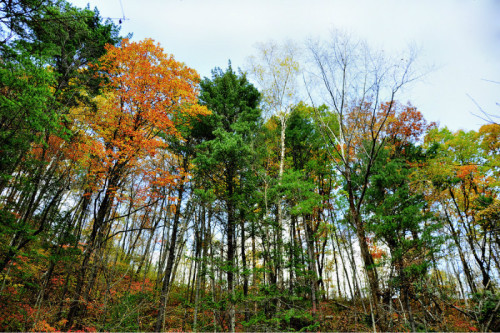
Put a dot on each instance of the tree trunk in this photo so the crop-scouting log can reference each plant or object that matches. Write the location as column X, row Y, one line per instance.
column 244, row 264
column 230, row 243
column 95, row 241
column 279, row 244
column 367, row 258
column 171, row 256
column 311, row 263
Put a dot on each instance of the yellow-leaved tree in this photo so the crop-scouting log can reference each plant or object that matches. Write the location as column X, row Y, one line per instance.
column 147, row 95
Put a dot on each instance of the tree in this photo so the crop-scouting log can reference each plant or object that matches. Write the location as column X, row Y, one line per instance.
column 224, row 155
column 59, row 42
column 308, row 188
column 41, row 75
column 396, row 215
column 185, row 150
column 72, row 38
column 461, row 188
column 275, row 68
column 15, row 15
column 147, row 93
column 354, row 82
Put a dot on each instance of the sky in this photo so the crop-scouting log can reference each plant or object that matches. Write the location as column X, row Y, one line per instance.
column 458, row 40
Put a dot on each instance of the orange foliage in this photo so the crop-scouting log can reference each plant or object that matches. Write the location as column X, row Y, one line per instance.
column 404, row 124
column 53, row 147
column 466, row 171
column 147, row 96
column 376, row 252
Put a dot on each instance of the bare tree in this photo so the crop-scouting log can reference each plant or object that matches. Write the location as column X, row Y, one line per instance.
column 490, row 118
column 275, row 68
column 354, row 82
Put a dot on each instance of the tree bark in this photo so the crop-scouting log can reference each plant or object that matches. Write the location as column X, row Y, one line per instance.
column 171, row 256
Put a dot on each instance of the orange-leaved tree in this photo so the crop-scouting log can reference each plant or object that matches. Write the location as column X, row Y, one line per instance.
column 146, row 95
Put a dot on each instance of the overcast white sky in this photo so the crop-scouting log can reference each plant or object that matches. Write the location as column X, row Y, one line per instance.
column 459, row 38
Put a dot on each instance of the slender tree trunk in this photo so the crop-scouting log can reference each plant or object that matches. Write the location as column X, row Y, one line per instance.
column 148, row 246
column 201, row 271
column 311, row 263
column 171, row 256
column 95, row 241
column 336, row 271
column 279, row 244
column 343, row 264
column 165, row 245
column 254, row 264
column 230, row 243
column 405, row 293
column 244, row 264
column 354, row 269
column 292, row 252
column 367, row 258
column 465, row 265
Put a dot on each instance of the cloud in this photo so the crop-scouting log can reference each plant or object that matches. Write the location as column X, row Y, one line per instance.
column 459, row 37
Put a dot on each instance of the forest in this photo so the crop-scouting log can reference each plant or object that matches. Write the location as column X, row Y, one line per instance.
column 297, row 193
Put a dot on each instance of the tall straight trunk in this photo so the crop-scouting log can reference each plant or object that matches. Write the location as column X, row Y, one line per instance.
column 230, row 242
column 279, row 244
column 461, row 294
column 339, row 293
column 336, row 243
column 302, row 257
column 320, row 260
column 350, row 256
column 367, row 258
column 212, row 265
column 197, row 252
column 292, row 252
column 254, row 264
column 205, row 246
column 191, row 279
column 200, row 255
column 465, row 264
column 95, row 241
column 165, row 245
column 171, row 255
column 244, row 264
column 311, row 262
column 125, row 234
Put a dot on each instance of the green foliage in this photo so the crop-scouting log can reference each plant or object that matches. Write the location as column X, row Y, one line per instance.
column 302, row 136
column 25, row 112
column 70, row 39
column 131, row 312
column 290, row 318
column 487, row 308
column 233, row 101
column 397, row 216
column 226, row 133
column 300, row 192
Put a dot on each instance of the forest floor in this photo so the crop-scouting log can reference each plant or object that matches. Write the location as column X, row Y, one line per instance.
column 132, row 306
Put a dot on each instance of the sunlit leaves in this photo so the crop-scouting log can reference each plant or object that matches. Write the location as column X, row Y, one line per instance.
column 275, row 69
column 147, row 92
